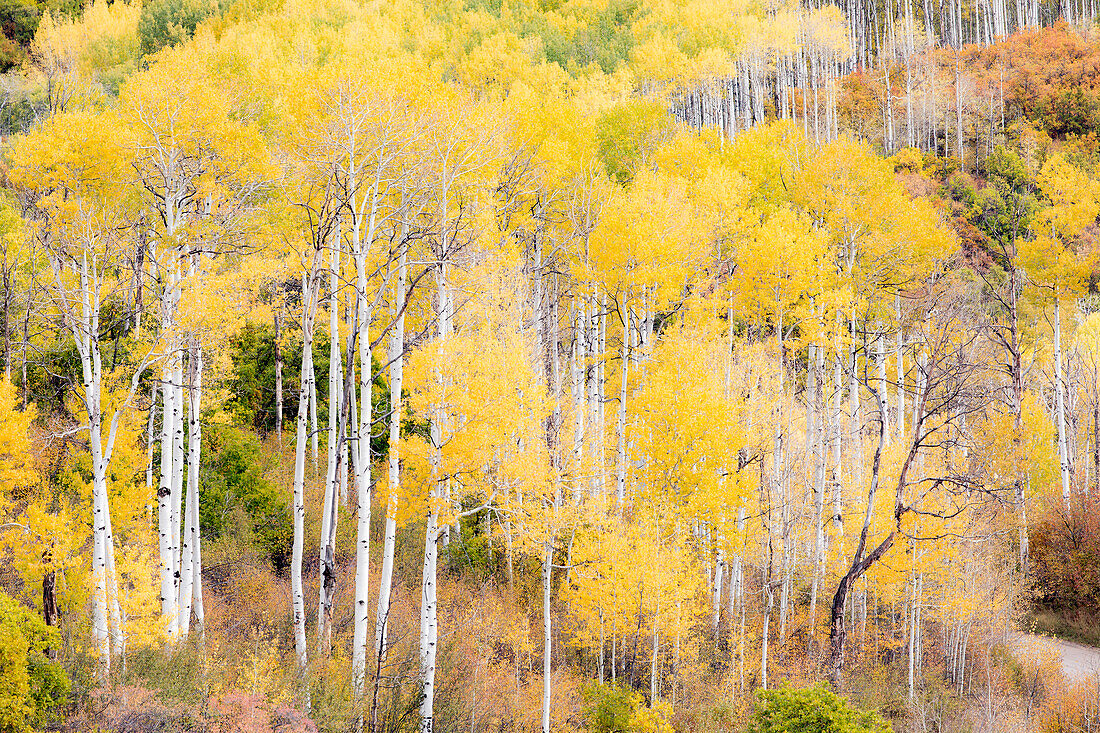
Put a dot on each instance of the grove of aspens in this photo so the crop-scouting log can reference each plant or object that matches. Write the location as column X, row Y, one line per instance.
column 607, row 366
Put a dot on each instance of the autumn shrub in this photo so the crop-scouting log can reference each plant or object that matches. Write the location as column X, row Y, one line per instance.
column 710, row 715
column 936, row 706
column 134, row 709
column 1033, row 674
column 810, row 710
column 1073, row 708
column 1065, row 566
column 877, row 685
column 137, row 709
column 616, row 709
column 32, row 686
column 173, row 673
column 240, row 712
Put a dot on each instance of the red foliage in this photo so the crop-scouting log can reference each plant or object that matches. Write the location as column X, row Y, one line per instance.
column 1065, row 556
column 1050, row 76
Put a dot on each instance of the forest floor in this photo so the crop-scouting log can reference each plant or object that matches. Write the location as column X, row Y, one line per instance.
column 1079, row 661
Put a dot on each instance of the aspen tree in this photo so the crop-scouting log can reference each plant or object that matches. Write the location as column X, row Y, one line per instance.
column 950, row 390
column 199, row 170
column 362, row 134
column 485, row 351
column 1052, row 263
column 326, row 577
column 73, row 199
column 311, row 286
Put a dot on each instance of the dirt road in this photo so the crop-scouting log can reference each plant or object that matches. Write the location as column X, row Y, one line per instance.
column 1078, row 661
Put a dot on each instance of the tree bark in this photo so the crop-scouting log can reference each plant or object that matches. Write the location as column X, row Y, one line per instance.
column 310, row 287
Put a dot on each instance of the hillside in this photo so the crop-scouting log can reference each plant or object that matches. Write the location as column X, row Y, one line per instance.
column 607, row 365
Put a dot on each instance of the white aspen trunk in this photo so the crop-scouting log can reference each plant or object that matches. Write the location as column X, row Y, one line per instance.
column 107, row 627
column 838, row 503
column 363, row 475
column 785, row 591
column 164, row 507
column 614, row 642
column 100, row 513
column 577, row 371
column 310, row 287
column 196, row 488
column 428, row 628
column 958, row 112
column 314, row 430
column 187, row 557
column 326, row 561
column 396, row 360
column 818, row 439
column 647, row 335
column 620, row 461
column 764, row 634
column 547, row 566
column 591, row 374
column 118, row 637
column 716, row 587
column 741, row 639
column 149, row 438
column 912, row 634
column 438, row 493
column 601, row 390
column 603, row 645
column 179, row 465
column 920, row 628
column 187, row 560
column 278, row 349
column 779, row 472
column 349, row 456
column 1060, row 402
column 883, row 400
column 653, row 662
column 900, row 360
column 197, row 608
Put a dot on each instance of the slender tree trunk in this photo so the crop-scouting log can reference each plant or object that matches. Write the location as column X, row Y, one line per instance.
column 362, row 450
column 428, row 629
column 653, row 663
column 1060, row 403
column 547, row 567
column 620, row 462
column 100, row 510
column 1095, row 438
column 314, row 431
column 396, row 360
column 278, row 308
column 326, row 556
column 310, row 287
column 191, row 530
column 164, row 506
column 958, row 113
column 7, row 317
column 438, row 493
column 765, row 632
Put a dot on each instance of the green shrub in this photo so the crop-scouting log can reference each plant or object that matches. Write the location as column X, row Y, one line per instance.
column 234, row 487
column 31, row 686
column 810, row 710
